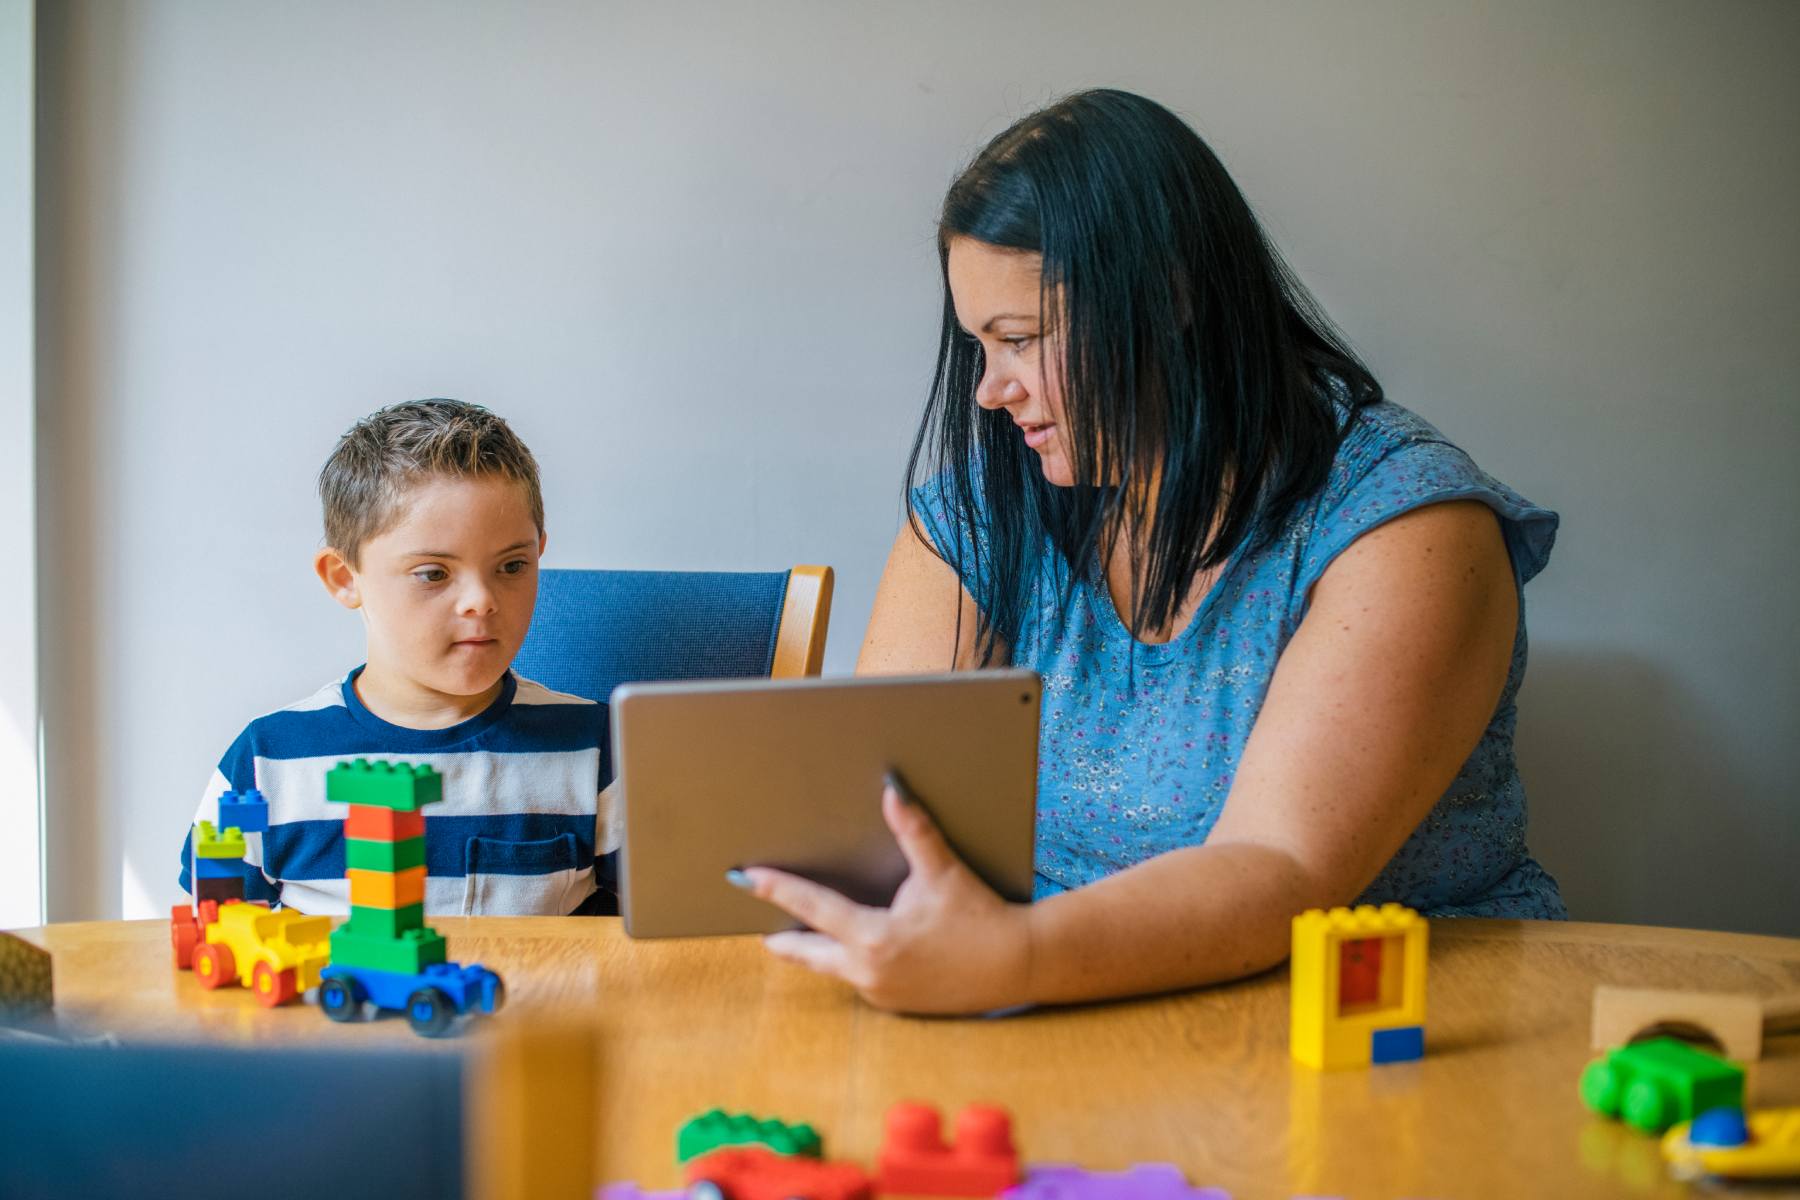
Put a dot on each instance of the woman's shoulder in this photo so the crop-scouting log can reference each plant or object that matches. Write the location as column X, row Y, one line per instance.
column 1390, row 461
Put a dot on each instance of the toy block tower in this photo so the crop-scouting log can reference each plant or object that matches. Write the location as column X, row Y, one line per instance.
column 218, row 867
column 384, row 857
column 1358, row 986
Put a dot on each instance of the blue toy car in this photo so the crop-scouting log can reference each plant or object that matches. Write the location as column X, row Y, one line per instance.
column 432, row 999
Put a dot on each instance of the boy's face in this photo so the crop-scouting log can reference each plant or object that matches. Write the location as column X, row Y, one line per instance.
column 447, row 592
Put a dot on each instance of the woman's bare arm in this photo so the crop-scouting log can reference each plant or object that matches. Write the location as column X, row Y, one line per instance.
column 919, row 605
column 1376, row 703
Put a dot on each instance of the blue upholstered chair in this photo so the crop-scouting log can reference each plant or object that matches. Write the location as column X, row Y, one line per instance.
column 594, row 630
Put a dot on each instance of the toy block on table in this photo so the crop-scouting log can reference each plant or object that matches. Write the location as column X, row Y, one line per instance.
column 1655, row 1084
column 26, row 983
column 387, row 922
column 1357, row 986
column 408, row 954
column 370, row 855
column 386, row 889
column 716, row 1128
column 219, row 868
column 372, row 824
column 759, row 1173
column 915, row 1159
column 247, row 811
column 1733, row 1021
column 1146, row 1181
column 631, row 1191
column 215, row 843
column 400, row 786
column 230, row 887
column 1727, row 1143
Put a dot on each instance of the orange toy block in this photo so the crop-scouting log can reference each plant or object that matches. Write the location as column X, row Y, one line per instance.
column 373, row 823
column 914, row 1159
column 386, row 889
column 759, row 1173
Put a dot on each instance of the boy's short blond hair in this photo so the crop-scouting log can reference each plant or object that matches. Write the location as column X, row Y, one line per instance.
column 363, row 484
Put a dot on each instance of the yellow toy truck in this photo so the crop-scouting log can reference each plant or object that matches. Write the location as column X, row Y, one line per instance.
column 276, row 954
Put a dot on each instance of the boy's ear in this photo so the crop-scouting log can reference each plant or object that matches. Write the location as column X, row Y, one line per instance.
column 338, row 577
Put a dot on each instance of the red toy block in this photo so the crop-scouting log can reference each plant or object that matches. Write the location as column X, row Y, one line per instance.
column 759, row 1173
column 184, row 935
column 375, row 824
column 1359, row 973
column 914, row 1159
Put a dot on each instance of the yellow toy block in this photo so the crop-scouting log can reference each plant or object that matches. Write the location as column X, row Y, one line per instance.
column 1357, row 986
column 216, row 843
column 386, row 889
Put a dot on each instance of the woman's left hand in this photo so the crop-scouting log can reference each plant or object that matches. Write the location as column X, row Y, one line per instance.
column 947, row 944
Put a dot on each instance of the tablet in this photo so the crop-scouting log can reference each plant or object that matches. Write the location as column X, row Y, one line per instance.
column 788, row 773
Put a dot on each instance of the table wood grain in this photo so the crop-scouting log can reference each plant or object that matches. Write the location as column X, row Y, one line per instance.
column 1201, row 1079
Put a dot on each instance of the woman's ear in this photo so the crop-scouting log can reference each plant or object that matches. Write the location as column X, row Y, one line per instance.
column 338, row 576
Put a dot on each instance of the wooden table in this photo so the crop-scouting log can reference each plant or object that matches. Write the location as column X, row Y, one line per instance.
column 1202, row 1079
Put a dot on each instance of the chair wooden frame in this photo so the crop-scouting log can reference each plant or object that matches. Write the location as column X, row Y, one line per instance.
column 805, row 619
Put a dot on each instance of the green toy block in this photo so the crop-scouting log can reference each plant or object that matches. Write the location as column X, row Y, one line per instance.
column 400, row 786
column 1661, row 1082
column 384, row 856
column 385, row 922
column 214, row 843
column 711, row 1130
column 408, row 954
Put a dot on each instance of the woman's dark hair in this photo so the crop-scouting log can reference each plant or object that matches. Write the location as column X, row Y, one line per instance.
column 1189, row 349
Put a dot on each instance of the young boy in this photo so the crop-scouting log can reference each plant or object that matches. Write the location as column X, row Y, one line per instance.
column 434, row 522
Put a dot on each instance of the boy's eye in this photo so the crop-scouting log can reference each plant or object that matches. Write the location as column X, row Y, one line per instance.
column 431, row 574
column 515, row 566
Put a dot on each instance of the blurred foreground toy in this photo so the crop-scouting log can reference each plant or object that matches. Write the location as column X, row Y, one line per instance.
column 915, row 1159
column 715, row 1129
column 1357, row 986
column 1655, row 1084
column 759, row 1173
column 1146, row 1181
column 1735, row 1021
column 1722, row 1142
column 25, row 980
column 385, row 954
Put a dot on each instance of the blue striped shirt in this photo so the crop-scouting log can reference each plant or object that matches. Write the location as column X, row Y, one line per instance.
column 519, row 830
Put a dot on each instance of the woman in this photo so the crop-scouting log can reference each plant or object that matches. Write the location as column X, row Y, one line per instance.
column 1279, row 620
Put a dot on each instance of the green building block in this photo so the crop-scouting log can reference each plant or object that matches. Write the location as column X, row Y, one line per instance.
column 384, row 856
column 711, row 1130
column 408, row 954
column 385, row 922
column 400, row 786
column 214, row 843
column 1661, row 1082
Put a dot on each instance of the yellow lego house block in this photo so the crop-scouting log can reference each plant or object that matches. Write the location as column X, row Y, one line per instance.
column 1355, row 973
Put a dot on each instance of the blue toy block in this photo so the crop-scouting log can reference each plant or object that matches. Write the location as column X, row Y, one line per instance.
column 247, row 811
column 1403, row 1044
column 218, row 868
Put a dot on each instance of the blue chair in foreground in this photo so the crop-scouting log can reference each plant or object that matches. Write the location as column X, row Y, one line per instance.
column 594, row 630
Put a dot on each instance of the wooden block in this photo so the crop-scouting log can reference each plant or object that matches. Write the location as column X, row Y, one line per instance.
column 25, row 980
column 530, row 1100
column 1734, row 1021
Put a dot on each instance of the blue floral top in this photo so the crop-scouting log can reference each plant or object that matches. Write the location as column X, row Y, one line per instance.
column 1139, row 743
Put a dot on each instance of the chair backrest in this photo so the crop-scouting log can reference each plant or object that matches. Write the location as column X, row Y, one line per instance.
column 594, row 630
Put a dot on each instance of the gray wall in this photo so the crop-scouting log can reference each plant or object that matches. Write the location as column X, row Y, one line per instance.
column 688, row 250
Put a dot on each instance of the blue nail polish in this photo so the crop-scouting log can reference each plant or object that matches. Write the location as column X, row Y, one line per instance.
column 738, row 879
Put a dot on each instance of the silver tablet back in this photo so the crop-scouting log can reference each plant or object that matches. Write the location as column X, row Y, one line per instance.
column 788, row 773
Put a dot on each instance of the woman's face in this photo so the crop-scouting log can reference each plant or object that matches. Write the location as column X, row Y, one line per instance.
column 996, row 294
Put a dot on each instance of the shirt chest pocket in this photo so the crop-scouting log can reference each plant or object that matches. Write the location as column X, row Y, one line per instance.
column 512, row 879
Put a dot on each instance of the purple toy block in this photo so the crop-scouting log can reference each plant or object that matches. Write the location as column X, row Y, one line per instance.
column 1145, row 1181
column 631, row 1191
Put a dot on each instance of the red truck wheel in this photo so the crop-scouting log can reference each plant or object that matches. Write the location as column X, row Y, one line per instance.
column 184, row 934
column 214, row 966
column 273, row 987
